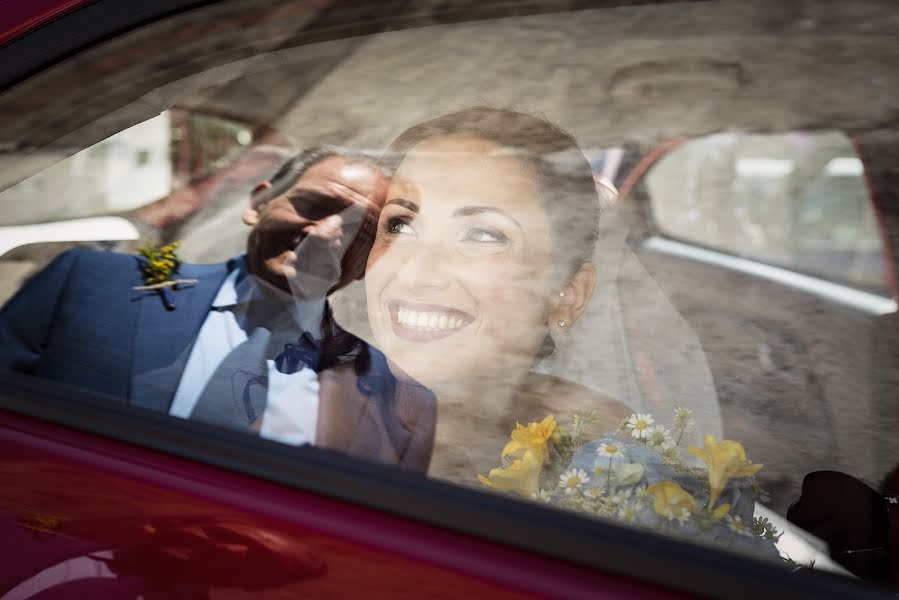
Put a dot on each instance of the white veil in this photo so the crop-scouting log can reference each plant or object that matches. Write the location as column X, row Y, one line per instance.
column 632, row 344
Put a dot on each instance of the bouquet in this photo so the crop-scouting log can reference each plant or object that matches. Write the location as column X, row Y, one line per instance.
column 637, row 475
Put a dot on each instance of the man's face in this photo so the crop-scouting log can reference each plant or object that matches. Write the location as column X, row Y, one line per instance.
column 316, row 209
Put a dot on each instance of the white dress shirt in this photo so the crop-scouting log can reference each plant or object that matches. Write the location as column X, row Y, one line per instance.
column 291, row 411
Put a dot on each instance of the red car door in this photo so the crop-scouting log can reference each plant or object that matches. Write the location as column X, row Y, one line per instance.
column 98, row 496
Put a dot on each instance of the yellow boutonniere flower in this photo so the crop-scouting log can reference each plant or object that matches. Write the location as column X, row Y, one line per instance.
column 725, row 460
column 158, row 267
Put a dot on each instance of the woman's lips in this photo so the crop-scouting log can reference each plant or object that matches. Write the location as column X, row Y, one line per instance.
column 426, row 322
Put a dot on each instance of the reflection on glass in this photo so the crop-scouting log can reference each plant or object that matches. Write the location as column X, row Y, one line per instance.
column 489, row 321
column 798, row 200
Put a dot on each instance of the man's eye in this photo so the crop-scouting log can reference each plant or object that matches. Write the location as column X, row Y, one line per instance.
column 489, row 236
column 316, row 206
column 398, row 226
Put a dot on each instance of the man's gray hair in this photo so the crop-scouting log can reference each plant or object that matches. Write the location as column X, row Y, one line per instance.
column 294, row 168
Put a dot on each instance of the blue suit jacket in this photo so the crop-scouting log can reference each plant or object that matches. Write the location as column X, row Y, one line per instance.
column 80, row 322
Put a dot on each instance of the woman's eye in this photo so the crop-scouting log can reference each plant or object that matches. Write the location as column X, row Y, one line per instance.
column 398, row 226
column 489, row 236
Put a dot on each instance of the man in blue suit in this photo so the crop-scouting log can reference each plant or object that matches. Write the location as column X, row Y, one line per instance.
column 79, row 321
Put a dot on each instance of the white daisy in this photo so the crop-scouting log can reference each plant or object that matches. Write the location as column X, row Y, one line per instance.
column 572, row 480
column 594, row 493
column 609, row 451
column 621, row 497
column 639, row 424
column 682, row 419
column 541, row 496
column 737, row 525
column 681, row 515
column 659, row 438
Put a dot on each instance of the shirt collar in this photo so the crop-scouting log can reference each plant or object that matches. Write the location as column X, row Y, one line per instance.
column 241, row 287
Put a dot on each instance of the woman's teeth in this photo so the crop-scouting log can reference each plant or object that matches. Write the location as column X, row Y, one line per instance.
column 430, row 321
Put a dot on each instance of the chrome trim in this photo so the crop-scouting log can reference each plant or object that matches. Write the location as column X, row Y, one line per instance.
column 859, row 299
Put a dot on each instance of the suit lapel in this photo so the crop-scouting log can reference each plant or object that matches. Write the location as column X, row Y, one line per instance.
column 163, row 339
column 341, row 408
column 378, row 424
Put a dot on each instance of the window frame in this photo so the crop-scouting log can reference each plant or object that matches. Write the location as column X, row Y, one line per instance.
column 588, row 543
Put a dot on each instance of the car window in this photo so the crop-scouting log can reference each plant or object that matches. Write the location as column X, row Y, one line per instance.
column 797, row 199
column 577, row 258
column 130, row 169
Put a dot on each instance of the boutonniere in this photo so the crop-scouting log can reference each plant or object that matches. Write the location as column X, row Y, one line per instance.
column 159, row 264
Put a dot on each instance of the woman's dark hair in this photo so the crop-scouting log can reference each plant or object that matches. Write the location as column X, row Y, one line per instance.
column 552, row 155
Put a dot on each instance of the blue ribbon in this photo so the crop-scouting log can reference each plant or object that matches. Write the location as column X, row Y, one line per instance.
column 305, row 353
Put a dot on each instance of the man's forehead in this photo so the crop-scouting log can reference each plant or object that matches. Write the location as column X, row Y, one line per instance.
column 358, row 175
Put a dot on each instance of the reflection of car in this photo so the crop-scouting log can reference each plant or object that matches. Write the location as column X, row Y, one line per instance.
column 818, row 270
column 97, row 497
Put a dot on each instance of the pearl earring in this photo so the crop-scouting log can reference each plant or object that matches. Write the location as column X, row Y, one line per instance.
column 561, row 323
column 561, row 294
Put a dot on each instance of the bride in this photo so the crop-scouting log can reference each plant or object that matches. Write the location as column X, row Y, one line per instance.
column 479, row 261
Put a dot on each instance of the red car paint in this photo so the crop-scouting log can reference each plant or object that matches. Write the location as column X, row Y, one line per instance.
column 18, row 18
column 133, row 521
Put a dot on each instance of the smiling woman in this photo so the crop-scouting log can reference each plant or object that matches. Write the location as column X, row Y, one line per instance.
column 482, row 255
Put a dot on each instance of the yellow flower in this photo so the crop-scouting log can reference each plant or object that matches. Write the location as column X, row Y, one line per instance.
column 530, row 451
column 521, row 476
column 721, row 511
column 725, row 460
column 532, row 440
column 671, row 500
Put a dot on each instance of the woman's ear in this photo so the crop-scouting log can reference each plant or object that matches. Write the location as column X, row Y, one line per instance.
column 251, row 212
column 572, row 298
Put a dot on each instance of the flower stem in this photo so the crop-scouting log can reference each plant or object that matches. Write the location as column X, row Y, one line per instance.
column 165, row 284
column 609, row 478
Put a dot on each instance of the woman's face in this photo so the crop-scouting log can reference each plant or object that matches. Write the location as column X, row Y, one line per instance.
column 458, row 278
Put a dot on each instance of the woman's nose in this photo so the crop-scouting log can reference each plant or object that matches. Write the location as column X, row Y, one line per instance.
column 426, row 266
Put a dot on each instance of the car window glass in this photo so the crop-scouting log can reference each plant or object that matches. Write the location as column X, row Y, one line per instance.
column 524, row 254
column 797, row 199
column 131, row 169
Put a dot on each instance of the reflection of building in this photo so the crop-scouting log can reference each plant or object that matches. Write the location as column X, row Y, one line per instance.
column 134, row 168
column 130, row 169
column 146, row 180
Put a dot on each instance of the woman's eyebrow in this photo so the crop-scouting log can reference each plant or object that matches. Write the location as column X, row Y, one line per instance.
column 470, row 211
column 404, row 203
